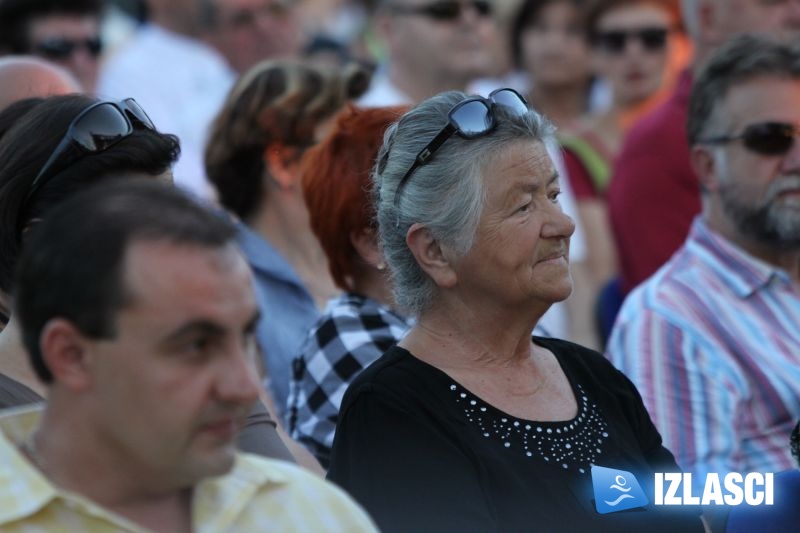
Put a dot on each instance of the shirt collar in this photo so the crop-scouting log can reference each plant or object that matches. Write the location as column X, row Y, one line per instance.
column 217, row 501
column 742, row 272
column 17, row 475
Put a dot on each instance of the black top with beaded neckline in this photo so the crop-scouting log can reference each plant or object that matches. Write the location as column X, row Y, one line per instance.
column 411, row 446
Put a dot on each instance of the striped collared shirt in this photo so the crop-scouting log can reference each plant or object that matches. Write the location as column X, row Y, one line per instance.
column 257, row 495
column 712, row 341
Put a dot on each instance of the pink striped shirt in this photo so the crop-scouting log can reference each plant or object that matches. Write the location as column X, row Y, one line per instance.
column 712, row 341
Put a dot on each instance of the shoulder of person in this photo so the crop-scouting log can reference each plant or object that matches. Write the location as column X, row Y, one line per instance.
column 308, row 501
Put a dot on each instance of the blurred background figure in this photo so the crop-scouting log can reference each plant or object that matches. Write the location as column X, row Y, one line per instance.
column 181, row 81
column 26, row 76
column 359, row 325
column 630, row 49
column 654, row 194
column 550, row 47
column 431, row 46
column 247, row 32
column 66, row 33
column 276, row 111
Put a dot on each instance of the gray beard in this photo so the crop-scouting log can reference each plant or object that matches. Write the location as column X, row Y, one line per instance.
column 765, row 224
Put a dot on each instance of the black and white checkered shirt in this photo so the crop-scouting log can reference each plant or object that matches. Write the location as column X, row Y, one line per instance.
column 352, row 333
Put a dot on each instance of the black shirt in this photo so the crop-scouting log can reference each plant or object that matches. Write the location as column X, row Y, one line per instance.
column 422, row 453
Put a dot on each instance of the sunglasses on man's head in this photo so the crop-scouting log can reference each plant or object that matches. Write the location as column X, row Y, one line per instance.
column 95, row 129
column 444, row 9
column 62, row 48
column 766, row 138
column 471, row 118
column 616, row 41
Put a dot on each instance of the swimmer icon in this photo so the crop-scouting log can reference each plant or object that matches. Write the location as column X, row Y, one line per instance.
column 616, row 490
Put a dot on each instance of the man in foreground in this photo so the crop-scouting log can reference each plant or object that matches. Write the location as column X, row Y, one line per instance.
column 137, row 311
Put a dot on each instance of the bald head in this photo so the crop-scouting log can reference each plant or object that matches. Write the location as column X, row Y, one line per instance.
column 25, row 77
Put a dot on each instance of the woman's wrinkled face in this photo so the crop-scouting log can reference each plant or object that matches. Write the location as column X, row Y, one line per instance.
column 630, row 47
column 520, row 256
column 554, row 47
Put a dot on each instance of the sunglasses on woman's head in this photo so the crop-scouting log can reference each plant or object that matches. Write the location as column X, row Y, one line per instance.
column 616, row 41
column 444, row 10
column 95, row 129
column 469, row 119
column 766, row 138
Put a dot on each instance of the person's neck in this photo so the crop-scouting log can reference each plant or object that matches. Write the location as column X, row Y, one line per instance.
column 453, row 336
column 14, row 361
column 284, row 223
column 419, row 87
column 375, row 284
column 781, row 257
column 563, row 105
column 74, row 456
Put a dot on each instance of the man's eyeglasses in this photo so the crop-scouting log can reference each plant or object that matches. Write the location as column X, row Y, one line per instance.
column 469, row 119
column 766, row 138
column 616, row 41
column 95, row 129
column 444, row 10
column 62, row 48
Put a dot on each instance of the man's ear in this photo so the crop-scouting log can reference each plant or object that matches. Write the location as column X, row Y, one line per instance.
column 65, row 351
column 705, row 167
column 431, row 257
column 281, row 165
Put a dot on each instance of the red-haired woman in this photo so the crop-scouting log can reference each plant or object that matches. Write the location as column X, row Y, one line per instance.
column 358, row 326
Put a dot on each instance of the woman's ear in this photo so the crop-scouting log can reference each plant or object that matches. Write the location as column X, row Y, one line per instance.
column 431, row 257
column 281, row 163
column 365, row 241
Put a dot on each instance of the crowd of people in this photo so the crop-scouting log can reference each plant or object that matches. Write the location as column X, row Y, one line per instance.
column 451, row 255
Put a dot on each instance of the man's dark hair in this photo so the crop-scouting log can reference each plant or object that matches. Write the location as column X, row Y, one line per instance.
column 741, row 59
column 73, row 264
column 16, row 17
column 27, row 145
column 794, row 443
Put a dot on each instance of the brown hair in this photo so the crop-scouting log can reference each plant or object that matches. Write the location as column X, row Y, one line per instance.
column 598, row 8
column 274, row 102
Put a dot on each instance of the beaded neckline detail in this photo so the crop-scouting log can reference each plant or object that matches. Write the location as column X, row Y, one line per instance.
column 573, row 444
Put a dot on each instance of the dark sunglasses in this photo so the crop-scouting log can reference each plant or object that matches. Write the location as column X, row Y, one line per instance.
column 61, row 48
column 615, row 41
column 469, row 119
column 766, row 138
column 95, row 129
column 444, row 9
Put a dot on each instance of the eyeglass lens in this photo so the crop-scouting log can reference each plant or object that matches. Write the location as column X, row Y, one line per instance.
column 472, row 118
column 62, row 48
column 769, row 138
column 651, row 39
column 100, row 127
column 447, row 9
column 138, row 113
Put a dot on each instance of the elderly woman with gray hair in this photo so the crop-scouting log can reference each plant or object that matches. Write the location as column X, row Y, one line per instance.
column 471, row 424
